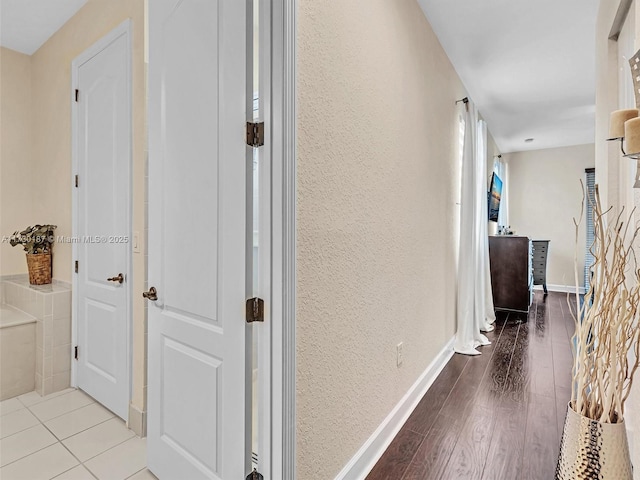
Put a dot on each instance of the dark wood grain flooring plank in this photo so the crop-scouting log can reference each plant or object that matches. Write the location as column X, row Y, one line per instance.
column 562, row 365
column 517, row 383
column 540, row 369
column 397, row 457
column 470, row 452
column 540, row 444
column 431, row 459
column 492, row 386
column 465, row 391
column 425, row 413
column 532, row 310
column 567, row 304
column 541, row 334
column 504, row 459
column 539, row 362
column 494, row 416
column 542, row 313
column 559, row 334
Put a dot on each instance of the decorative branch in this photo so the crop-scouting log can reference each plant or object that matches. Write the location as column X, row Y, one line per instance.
column 606, row 320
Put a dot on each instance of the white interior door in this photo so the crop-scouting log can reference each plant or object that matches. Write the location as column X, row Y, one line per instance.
column 102, row 150
column 198, row 383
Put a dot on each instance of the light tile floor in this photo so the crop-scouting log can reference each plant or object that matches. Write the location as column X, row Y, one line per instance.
column 67, row 436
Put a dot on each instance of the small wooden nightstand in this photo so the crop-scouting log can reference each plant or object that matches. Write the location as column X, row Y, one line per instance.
column 540, row 252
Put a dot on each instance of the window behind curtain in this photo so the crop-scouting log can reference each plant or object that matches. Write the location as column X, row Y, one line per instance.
column 590, row 187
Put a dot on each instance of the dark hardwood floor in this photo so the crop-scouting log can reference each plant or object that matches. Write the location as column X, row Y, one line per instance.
column 497, row 416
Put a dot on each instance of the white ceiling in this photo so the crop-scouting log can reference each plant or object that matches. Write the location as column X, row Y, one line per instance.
column 26, row 24
column 528, row 65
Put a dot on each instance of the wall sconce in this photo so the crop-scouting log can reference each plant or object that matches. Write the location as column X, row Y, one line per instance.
column 625, row 126
column 616, row 124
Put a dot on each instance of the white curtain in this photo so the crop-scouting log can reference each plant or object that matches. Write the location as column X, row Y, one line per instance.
column 502, row 170
column 475, row 301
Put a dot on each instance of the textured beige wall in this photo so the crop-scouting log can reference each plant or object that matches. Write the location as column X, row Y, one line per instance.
column 492, row 151
column 16, row 187
column 51, row 127
column 544, row 197
column 377, row 165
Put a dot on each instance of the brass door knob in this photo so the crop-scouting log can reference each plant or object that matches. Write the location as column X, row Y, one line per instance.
column 152, row 294
column 119, row 278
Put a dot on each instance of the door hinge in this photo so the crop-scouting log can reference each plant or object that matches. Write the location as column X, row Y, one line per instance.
column 77, row 94
column 255, row 310
column 75, row 352
column 255, row 134
column 76, row 266
column 255, row 475
column 77, row 181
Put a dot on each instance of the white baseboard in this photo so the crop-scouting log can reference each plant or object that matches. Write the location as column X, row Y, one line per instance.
column 561, row 288
column 137, row 421
column 369, row 454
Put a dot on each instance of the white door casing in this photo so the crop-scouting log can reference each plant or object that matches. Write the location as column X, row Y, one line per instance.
column 626, row 99
column 277, row 395
column 101, row 110
column 199, row 382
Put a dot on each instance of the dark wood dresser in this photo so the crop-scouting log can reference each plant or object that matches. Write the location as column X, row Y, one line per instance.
column 511, row 273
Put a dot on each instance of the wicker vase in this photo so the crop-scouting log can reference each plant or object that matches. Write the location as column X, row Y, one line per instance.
column 593, row 450
column 39, row 265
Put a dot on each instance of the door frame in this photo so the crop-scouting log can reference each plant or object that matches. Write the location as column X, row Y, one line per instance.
column 277, row 342
column 123, row 29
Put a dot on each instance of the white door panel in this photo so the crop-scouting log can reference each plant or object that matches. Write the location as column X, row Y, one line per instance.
column 198, row 383
column 103, row 161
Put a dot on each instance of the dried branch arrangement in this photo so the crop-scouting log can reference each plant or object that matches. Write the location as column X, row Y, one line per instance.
column 607, row 328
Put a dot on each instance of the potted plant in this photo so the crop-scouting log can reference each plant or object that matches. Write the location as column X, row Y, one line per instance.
column 37, row 242
column 606, row 351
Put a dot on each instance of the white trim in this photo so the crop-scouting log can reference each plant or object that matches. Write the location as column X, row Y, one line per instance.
column 265, row 267
column 369, row 454
column 137, row 421
column 561, row 288
column 251, row 331
column 282, row 117
column 123, row 29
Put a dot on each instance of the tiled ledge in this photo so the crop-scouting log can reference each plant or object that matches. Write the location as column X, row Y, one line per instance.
column 50, row 305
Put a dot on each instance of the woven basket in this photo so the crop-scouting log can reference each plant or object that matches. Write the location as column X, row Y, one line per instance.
column 39, row 268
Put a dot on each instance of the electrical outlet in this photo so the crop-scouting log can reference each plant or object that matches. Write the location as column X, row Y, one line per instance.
column 136, row 242
column 399, row 356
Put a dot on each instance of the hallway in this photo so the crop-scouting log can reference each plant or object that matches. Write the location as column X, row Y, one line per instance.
column 495, row 416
